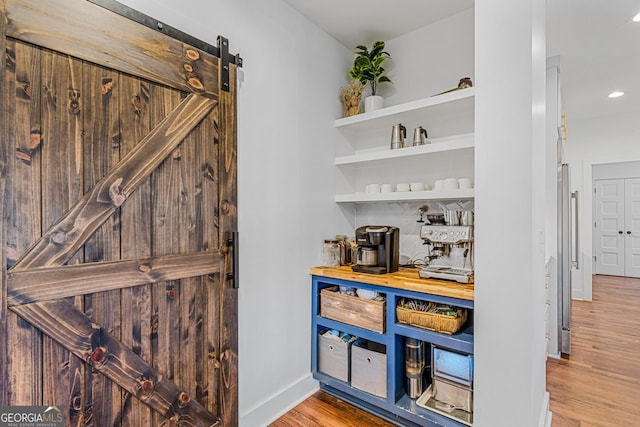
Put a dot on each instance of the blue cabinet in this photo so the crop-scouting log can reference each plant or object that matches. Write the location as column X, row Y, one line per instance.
column 396, row 407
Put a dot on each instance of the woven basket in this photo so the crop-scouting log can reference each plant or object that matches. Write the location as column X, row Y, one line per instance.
column 432, row 321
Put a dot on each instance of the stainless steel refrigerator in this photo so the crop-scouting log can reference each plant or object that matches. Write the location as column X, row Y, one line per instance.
column 567, row 254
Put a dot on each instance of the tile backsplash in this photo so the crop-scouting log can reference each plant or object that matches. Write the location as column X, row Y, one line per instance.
column 405, row 215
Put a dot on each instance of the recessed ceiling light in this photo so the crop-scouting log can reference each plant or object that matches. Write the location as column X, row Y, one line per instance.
column 616, row 94
column 636, row 18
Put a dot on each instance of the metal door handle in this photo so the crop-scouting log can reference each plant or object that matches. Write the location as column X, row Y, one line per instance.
column 628, row 232
column 620, row 232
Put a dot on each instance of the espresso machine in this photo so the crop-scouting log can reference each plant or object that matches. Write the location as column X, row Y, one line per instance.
column 450, row 253
column 378, row 250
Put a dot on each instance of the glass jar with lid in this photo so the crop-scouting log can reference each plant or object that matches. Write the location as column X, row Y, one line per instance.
column 331, row 253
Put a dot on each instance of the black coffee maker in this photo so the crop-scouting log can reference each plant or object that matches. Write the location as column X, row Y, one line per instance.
column 378, row 249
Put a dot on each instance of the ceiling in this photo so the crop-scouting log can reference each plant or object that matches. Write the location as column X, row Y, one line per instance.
column 598, row 45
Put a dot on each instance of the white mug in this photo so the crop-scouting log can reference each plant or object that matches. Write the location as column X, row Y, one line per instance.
column 403, row 187
column 386, row 188
column 451, row 184
column 439, row 185
column 417, row 186
column 465, row 183
column 372, row 188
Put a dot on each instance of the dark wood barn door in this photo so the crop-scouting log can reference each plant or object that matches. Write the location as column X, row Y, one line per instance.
column 118, row 184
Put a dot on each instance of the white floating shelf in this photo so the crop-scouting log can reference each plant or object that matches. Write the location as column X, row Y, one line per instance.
column 405, row 196
column 437, row 145
column 436, row 104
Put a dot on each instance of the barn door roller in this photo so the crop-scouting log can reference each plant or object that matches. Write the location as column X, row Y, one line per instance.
column 221, row 51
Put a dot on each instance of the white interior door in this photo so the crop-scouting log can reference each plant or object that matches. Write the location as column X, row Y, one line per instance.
column 609, row 227
column 632, row 227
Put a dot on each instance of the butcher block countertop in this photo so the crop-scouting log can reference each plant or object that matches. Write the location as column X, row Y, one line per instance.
column 405, row 278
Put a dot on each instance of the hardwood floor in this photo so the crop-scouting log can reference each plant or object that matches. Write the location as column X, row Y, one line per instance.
column 597, row 386
column 324, row 410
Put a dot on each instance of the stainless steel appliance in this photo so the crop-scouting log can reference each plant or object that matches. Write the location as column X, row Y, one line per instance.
column 450, row 253
column 381, row 240
column 567, row 255
column 419, row 136
column 415, row 361
column 452, row 374
column 398, row 134
column 366, row 256
column 452, row 366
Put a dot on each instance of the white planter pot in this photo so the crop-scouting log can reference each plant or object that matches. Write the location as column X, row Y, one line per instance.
column 373, row 103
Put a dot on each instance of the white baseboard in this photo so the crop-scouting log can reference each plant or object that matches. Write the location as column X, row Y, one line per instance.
column 545, row 413
column 280, row 403
column 577, row 294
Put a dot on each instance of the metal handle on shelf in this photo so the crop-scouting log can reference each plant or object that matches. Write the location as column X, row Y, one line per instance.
column 574, row 253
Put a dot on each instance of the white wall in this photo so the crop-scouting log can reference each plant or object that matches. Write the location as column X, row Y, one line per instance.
column 286, row 107
column 610, row 139
column 430, row 60
column 551, row 202
column 509, row 388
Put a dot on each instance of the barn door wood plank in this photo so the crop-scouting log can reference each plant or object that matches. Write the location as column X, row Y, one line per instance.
column 80, row 28
column 61, row 166
column 207, row 233
column 188, row 288
column 100, row 86
column 228, row 223
column 166, row 295
column 78, row 334
column 62, row 240
column 23, row 221
column 192, row 305
column 4, row 152
column 47, row 283
column 135, row 226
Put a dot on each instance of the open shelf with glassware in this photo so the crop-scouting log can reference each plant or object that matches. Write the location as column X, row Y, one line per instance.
column 391, row 400
column 364, row 154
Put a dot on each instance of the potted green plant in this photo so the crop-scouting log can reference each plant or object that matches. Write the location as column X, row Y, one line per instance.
column 367, row 68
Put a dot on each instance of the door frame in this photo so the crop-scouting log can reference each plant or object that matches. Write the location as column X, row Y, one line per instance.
column 585, row 168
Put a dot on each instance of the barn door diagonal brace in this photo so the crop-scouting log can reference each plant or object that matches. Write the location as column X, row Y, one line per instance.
column 77, row 225
column 79, row 334
column 172, row 32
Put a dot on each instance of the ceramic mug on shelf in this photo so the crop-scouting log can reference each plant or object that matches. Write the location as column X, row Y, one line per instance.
column 403, row 187
column 386, row 188
column 417, row 186
column 439, row 185
column 465, row 183
column 372, row 188
column 451, row 184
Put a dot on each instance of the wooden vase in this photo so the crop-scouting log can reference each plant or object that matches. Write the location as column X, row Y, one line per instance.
column 352, row 106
